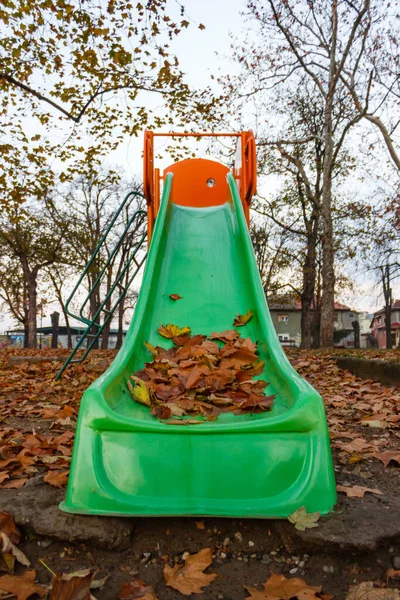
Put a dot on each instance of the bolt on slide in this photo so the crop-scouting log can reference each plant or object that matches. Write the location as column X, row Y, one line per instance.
column 201, row 343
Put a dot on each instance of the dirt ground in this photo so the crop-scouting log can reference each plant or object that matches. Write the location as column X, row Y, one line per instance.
column 359, row 542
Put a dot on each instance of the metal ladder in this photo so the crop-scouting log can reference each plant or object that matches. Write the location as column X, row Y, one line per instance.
column 140, row 217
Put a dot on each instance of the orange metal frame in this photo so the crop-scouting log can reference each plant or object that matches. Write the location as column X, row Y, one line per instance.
column 245, row 171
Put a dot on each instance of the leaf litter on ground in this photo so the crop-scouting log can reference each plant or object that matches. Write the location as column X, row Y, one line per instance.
column 199, row 377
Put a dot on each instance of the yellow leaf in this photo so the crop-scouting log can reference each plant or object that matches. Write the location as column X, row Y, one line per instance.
column 139, row 391
column 241, row 320
column 170, row 331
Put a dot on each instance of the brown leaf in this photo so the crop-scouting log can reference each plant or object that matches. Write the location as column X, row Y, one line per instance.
column 225, row 336
column 136, row 589
column 175, row 297
column 357, row 445
column 189, row 578
column 200, row 524
column 277, row 587
column 8, row 526
column 387, row 457
column 75, row 586
column 15, row 484
column 57, row 478
column 393, row 573
column 356, row 491
column 241, row 320
column 9, row 548
column 23, row 586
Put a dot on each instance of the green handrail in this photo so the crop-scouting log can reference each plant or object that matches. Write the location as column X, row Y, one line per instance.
column 141, row 216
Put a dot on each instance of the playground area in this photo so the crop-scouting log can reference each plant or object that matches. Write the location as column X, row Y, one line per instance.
column 357, row 543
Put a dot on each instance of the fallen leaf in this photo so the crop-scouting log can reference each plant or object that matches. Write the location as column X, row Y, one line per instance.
column 303, row 520
column 10, row 548
column 357, row 491
column 175, row 297
column 73, row 586
column 367, row 591
column 56, row 478
column 277, row 587
column 170, row 331
column 241, row 320
column 387, row 457
column 357, row 445
column 136, row 589
column 23, row 586
column 8, row 526
column 393, row 574
column 189, row 578
column 15, row 484
column 151, row 348
column 140, row 392
column 225, row 336
column 200, row 524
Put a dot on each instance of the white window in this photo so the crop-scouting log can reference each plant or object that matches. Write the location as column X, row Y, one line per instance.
column 283, row 318
column 283, row 337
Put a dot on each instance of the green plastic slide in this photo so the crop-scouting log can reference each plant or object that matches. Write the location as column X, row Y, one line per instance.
column 126, row 462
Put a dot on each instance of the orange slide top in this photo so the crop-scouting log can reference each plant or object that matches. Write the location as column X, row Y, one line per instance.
column 200, row 182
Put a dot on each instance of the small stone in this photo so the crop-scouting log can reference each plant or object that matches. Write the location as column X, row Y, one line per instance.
column 227, row 541
column 185, row 555
column 294, row 570
column 238, row 536
column 295, row 559
column 391, row 549
column 62, row 554
column 220, row 597
column 245, row 559
column 265, row 559
column 251, row 544
column 301, row 564
column 273, row 553
column 331, row 569
column 46, row 543
column 396, row 562
column 146, row 554
column 253, row 555
column 223, row 555
column 326, row 568
column 240, row 558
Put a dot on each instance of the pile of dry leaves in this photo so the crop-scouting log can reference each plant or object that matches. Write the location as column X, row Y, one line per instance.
column 200, row 377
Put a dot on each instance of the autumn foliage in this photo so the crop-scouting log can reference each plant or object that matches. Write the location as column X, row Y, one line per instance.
column 200, row 377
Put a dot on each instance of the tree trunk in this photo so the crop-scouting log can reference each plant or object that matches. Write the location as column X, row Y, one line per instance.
column 387, row 293
column 31, row 287
column 55, row 318
column 26, row 329
column 307, row 296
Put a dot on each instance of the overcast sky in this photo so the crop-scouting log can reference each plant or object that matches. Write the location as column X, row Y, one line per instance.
column 197, row 52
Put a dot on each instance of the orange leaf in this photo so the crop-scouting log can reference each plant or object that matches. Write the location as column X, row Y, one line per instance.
column 189, row 578
column 175, row 297
column 277, row 587
column 56, row 478
column 23, row 586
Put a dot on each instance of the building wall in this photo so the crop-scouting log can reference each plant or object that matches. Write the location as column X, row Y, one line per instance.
column 290, row 329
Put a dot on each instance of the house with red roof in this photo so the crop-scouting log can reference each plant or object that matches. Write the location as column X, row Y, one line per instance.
column 378, row 326
column 286, row 317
